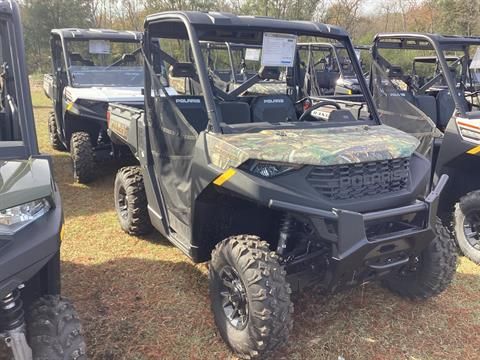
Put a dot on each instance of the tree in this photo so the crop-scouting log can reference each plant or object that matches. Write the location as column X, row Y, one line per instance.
column 40, row 16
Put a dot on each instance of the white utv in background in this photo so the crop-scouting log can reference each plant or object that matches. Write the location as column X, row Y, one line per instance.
column 91, row 68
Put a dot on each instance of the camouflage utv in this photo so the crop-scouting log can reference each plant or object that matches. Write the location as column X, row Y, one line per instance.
column 35, row 321
column 272, row 197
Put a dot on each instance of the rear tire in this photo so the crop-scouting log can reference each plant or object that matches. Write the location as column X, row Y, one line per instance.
column 245, row 275
column 54, row 137
column 466, row 225
column 131, row 201
column 81, row 151
column 432, row 273
column 54, row 330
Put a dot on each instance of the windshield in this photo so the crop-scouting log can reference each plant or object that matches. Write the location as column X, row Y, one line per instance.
column 418, row 70
column 418, row 86
column 105, row 63
column 264, row 64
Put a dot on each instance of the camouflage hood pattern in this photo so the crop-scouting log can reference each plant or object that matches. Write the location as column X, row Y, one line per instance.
column 326, row 146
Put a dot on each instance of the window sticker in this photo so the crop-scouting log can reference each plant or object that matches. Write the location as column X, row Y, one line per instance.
column 252, row 54
column 278, row 49
column 99, row 47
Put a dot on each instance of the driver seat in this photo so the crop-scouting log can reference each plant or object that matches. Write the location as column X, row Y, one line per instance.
column 273, row 108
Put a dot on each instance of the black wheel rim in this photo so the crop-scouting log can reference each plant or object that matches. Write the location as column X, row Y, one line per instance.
column 122, row 202
column 234, row 298
column 471, row 229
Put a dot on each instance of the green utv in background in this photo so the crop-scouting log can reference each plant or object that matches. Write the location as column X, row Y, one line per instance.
column 35, row 321
column 272, row 196
column 440, row 90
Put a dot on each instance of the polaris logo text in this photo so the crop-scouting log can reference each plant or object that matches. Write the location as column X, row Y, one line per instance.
column 187, row 101
column 358, row 181
column 273, row 101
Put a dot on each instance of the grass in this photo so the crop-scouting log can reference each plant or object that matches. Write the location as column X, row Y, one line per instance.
column 141, row 298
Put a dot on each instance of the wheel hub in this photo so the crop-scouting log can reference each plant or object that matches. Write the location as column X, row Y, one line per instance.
column 234, row 298
column 471, row 229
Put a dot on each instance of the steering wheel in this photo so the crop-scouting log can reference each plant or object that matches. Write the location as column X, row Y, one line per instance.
column 318, row 105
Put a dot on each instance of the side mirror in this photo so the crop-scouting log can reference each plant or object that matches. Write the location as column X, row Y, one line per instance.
column 269, row 73
column 182, row 69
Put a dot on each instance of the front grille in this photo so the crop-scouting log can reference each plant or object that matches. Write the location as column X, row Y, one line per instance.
column 356, row 181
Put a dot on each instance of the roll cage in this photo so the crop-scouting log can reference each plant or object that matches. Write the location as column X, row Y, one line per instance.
column 222, row 27
column 439, row 44
column 59, row 38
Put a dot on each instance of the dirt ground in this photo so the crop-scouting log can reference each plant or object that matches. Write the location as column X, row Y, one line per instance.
column 141, row 298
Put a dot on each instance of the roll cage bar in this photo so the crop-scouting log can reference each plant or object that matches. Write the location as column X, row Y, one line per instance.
column 435, row 42
column 236, row 29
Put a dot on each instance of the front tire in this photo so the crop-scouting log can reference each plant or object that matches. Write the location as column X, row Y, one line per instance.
column 54, row 137
column 250, row 296
column 466, row 225
column 131, row 201
column 81, row 151
column 54, row 330
column 431, row 273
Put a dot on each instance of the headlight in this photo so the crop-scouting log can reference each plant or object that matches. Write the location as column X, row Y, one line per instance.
column 268, row 169
column 469, row 129
column 17, row 217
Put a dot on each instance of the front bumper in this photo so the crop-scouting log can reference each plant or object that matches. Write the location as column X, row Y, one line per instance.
column 25, row 253
column 358, row 254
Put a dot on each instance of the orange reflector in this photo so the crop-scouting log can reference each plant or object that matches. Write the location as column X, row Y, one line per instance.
column 224, row 177
column 62, row 232
column 474, row 151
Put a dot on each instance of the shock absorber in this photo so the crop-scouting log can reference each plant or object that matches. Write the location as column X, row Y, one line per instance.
column 12, row 326
column 12, row 315
column 287, row 224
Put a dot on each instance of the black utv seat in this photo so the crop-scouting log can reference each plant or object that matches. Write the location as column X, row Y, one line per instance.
column 445, row 108
column 273, row 108
column 193, row 108
column 428, row 105
column 234, row 112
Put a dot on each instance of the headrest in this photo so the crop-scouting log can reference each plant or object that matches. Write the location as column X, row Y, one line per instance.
column 182, row 69
column 395, row 71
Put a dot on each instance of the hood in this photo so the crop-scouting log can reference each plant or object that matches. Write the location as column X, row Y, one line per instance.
column 326, row 146
column 22, row 181
column 106, row 94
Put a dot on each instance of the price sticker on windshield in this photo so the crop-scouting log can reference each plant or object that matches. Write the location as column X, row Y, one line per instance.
column 278, row 49
column 252, row 54
column 99, row 47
